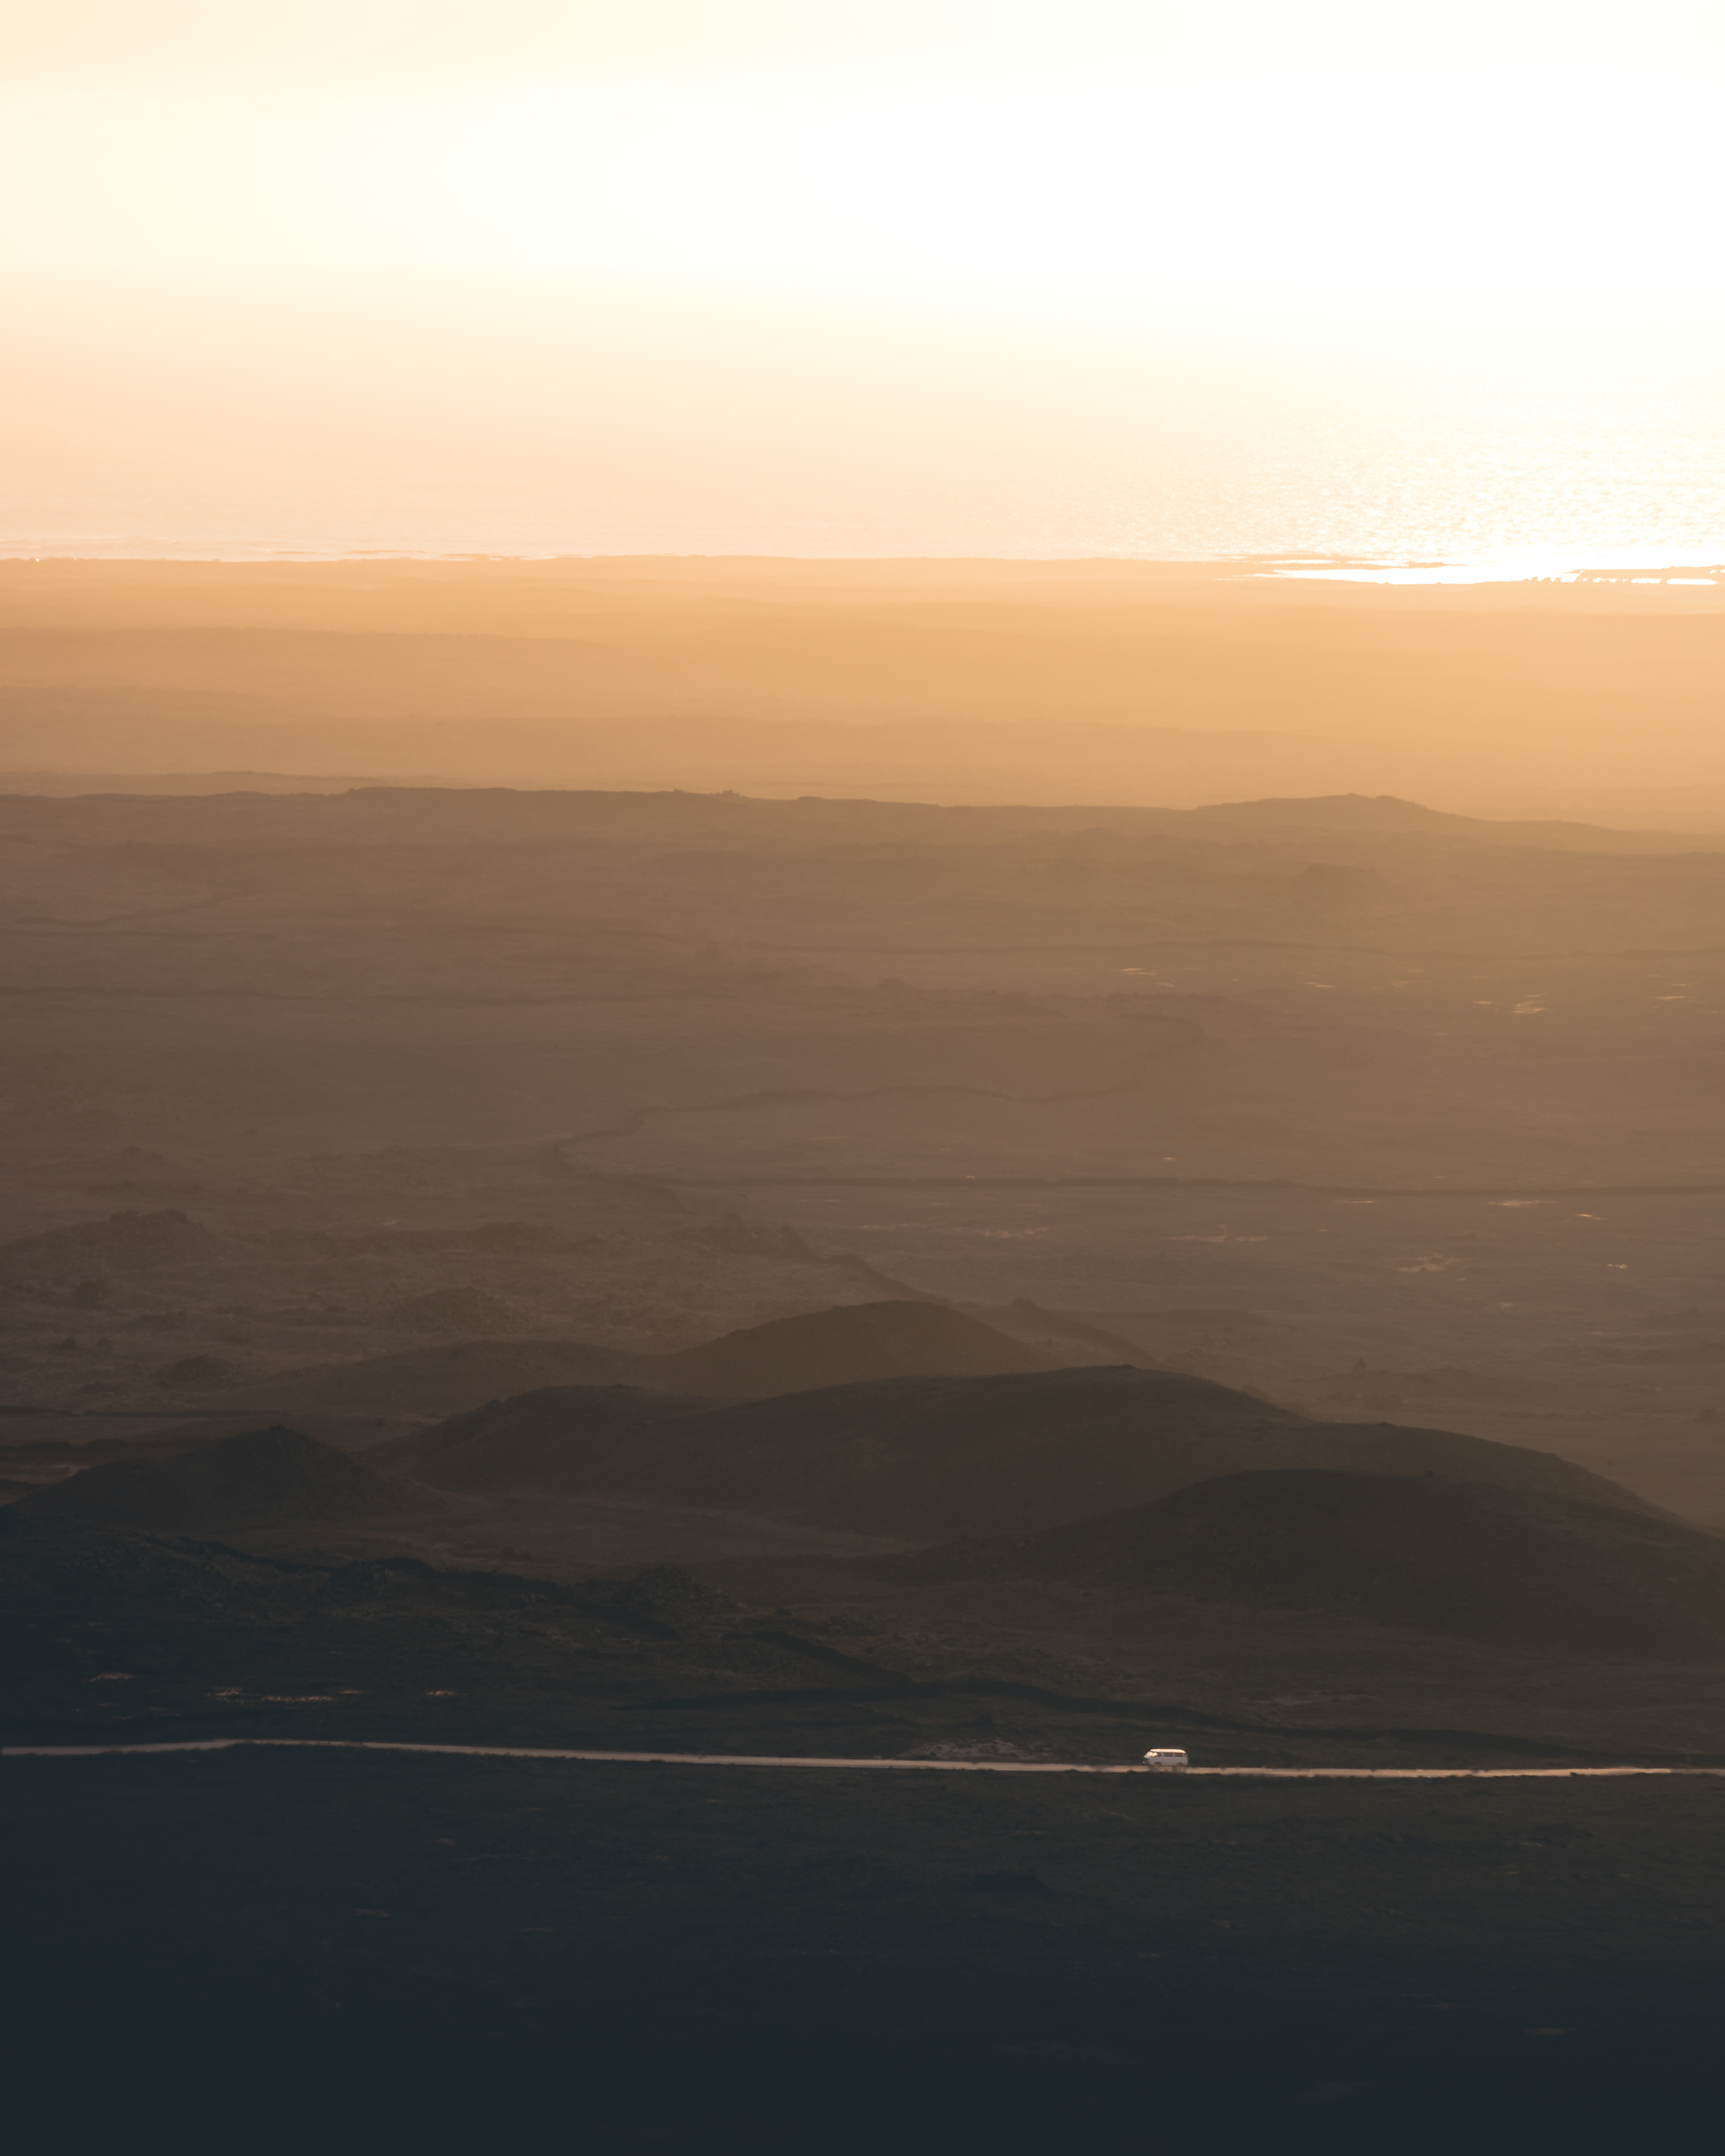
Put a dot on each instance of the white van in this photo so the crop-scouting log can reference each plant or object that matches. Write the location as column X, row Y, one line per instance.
column 1165, row 1758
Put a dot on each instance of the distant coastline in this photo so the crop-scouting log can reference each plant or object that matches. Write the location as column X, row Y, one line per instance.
column 1646, row 568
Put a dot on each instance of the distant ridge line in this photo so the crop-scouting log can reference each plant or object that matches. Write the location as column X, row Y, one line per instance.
column 1268, row 1182
column 1217, row 943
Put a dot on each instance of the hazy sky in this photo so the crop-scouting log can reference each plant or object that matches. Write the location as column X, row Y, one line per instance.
column 1312, row 155
column 1034, row 219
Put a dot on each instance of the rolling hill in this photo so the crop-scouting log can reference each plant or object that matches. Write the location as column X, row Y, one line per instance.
column 933, row 1456
column 836, row 1346
column 1513, row 1566
column 260, row 1477
column 563, row 1437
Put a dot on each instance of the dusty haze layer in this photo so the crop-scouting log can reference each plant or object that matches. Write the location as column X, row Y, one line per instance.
column 954, row 681
column 637, row 1262
column 1381, row 1111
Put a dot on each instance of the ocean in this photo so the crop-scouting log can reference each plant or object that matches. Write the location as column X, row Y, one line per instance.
column 539, row 419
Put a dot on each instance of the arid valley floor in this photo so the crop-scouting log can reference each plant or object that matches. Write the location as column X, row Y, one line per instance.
column 676, row 1271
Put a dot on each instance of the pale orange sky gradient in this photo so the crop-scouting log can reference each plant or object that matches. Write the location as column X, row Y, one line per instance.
column 1055, row 251
column 1251, row 155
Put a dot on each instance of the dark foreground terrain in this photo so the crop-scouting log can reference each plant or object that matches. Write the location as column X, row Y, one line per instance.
column 332, row 1948
column 345, row 1949
column 307, row 1948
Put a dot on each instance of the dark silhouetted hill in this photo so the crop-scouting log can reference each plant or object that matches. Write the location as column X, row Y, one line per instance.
column 851, row 1344
column 842, row 1346
column 57, row 1569
column 441, row 1380
column 1514, row 1566
column 259, row 1478
column 924, row 1457
column 564, row 1436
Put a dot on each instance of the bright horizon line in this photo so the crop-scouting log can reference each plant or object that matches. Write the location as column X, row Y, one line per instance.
column 1642, row 565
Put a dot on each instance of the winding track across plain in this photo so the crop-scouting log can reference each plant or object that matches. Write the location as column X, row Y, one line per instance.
column 913, row 1766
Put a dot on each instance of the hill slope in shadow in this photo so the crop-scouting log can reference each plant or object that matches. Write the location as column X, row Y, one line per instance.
column 927, row 1457
column 1513, row 1566
column 260, row 1477
column 562, row 1437
column 848, row 1345
column 836, row 1346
